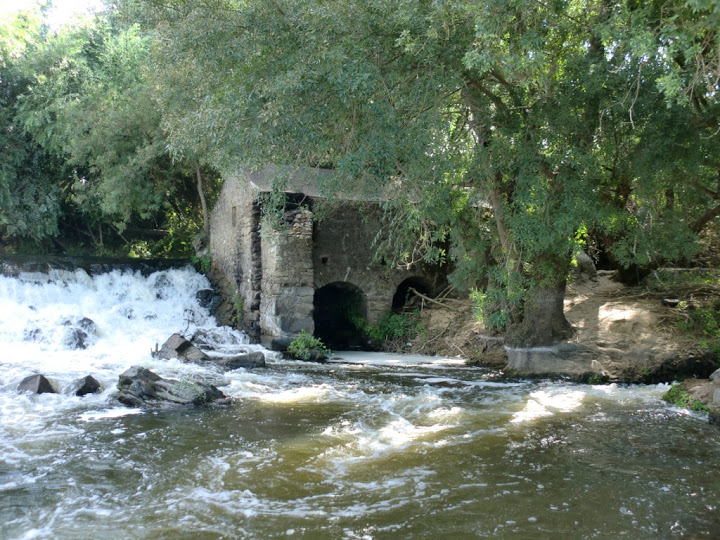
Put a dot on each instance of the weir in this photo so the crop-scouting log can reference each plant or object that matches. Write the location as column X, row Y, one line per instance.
column 14, row 265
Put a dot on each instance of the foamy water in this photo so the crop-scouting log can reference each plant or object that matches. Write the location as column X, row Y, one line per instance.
column 365, row 446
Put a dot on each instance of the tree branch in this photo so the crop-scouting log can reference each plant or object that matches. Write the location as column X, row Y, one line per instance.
column 699, row 224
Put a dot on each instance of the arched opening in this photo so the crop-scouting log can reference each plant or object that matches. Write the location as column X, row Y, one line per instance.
column 405, row 295
column 337, row 307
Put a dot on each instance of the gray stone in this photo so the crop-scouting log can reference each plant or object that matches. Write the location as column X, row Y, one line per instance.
column 568, row 360
column 177, row 346
column 86, row 385
column 277, row 343
column 585, row 265
column 715, row 375
column 248, row 361
column 206, row 298
column 716, row 397
column 36, row 384
column 78, row 333
column 139, row 386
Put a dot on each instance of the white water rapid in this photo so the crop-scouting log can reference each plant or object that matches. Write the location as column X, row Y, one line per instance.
column 365, row 446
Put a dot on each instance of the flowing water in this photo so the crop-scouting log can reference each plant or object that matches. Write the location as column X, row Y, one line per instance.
column 367, row 446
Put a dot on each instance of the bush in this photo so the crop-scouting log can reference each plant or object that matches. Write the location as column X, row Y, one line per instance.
column 680, row 398
column 307, row 347
column 392, row 327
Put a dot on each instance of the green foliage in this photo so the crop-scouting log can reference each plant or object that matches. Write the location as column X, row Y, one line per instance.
column 272, row 205
column 203, row 264
column 392, row 327
column 500, row 301
column 680, row 398
column 84, row 153
column 703, row 320
column 503, row 132
column 305, row 346
column 238, row 305
column 664, row 279
column 598, row 378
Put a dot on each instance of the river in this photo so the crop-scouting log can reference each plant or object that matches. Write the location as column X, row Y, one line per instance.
column 366, row 446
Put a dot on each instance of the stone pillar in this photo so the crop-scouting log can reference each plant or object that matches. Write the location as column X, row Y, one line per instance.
column 287, row 285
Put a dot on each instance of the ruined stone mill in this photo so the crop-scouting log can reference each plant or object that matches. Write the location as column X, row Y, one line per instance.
column 312, row 275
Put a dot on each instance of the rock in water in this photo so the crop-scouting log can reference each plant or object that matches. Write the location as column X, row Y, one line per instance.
column 78, row 332
column 206, row 298
column 247, row 361
column 139, row 386
column 86, row 385
column 36, row 384
column 177, row 346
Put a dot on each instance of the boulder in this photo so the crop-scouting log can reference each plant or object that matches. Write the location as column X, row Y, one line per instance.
column 316, row 356
column 491, row 351
column 715, row 376
column 36, row 384
column 276, row 343
column 206, row 298
column 219, row 338
column 139, row 386
column 248, row 361
column 585, row 266
column 86, row 385
column 568, row 360
column 178, row 347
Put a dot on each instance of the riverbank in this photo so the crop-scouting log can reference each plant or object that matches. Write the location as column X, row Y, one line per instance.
column 623, row 334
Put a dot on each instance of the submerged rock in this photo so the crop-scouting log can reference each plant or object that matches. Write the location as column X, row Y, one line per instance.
column 79, row 332
column 219, row 338
column 86, row 385
column 206, row 298
column 569, row 360
column 36, row 384
column 699, row 395
column 248, row 361
column 139, row 386
column 177, row 346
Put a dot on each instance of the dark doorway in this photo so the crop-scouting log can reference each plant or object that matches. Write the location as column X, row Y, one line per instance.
column 337, row 309
column 405, row 296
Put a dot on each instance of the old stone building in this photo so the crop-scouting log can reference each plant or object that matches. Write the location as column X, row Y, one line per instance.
column 306, row 274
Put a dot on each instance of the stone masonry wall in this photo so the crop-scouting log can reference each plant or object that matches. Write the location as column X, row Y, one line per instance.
column 287, row 285
column 343, row 251
column 235, row 254
column 273, row 275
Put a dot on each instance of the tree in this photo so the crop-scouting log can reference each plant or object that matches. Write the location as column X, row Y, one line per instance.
column 90, row 102
column 29, row 200
column 514, row 127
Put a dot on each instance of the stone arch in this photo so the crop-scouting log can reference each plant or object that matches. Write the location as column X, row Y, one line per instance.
column 404, row 295
column 336, row 307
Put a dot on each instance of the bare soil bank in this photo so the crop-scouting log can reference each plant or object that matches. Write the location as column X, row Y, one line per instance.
column 622, row 334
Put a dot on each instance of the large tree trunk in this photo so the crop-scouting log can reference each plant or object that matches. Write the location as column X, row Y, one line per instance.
column 543, row 321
